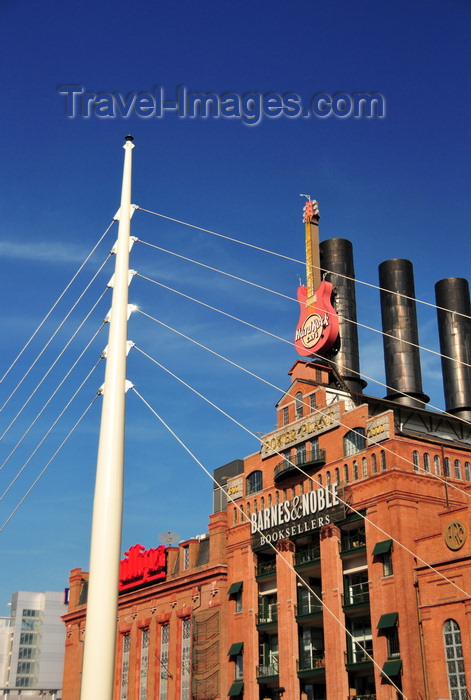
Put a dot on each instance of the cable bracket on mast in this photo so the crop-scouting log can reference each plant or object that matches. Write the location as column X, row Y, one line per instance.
column 133, row 209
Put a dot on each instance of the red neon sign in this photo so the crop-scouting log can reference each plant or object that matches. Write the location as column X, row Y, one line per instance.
column 141, row 566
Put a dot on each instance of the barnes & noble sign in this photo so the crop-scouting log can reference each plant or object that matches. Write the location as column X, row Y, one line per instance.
column 300, row 515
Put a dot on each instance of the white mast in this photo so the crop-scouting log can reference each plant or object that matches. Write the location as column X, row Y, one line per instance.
column 105, row 550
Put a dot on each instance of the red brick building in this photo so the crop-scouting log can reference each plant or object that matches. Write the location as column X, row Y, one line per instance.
column 170, row 629
column 334, row 598
column 338, row 559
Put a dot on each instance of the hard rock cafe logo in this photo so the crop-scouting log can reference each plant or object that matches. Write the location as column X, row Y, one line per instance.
column 318, row 325
column 311, row 331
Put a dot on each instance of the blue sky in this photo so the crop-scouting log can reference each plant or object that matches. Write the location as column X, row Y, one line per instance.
column 396, row 187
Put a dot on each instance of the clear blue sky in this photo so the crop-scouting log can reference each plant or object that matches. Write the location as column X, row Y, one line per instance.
column 397, row 187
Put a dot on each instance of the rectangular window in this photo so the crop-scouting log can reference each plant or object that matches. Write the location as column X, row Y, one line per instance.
column 392, row 637
column 312, row 402
column 387, row 564
column 285, row 416
column 362, row 635
column 301, row 454
column 126, row 641
column 239, row 667
column 185, row 660
column 164, row 634
column 356, row 588
column 143, row 664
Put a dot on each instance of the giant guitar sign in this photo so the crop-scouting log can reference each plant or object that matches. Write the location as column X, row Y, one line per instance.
column 318, row 325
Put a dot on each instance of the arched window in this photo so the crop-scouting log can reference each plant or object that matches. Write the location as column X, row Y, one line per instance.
column 467, row 471
column 285, row 415
column 382, row 459
column 234, row 512
column 374, row 466
column 253, row 482
column 337, row 475
column 454, row 660
column 298, row 403
column 328, row 478
column 364, row 467
column 269, row 500
column 314, row 449
column 436, row 464
column 319, row 479
column 415, row 460
column 312, row 402
column 426, row 462
column 355, row 470
column 447, row 467
column 457, row 469
column 262, row 503
column 354, row 441
column 345, row 473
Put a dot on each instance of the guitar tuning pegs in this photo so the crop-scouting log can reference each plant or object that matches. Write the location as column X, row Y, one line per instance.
column 310, row 209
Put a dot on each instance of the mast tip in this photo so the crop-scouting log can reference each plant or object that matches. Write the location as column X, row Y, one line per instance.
column 129, row 138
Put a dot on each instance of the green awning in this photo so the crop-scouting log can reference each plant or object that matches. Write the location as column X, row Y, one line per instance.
column 387, row 620
column 382, row 547
column 391, row 668
column 236, row 688
column 235, row 587
column 235, row 649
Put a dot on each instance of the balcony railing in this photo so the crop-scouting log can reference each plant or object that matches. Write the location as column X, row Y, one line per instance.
column 354, row 540
column 357, row 655
column 308, row 555
column 307, row 607
column 268, row 670
column 311, row 661
column 268, row 616
column 357, row 593
column 309, row 458
column 266, row 568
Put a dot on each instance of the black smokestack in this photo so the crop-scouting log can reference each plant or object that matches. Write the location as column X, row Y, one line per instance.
column 400, row 334
column 452, row 295
column 336, row 256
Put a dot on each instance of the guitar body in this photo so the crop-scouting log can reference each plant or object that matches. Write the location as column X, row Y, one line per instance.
column 318, row 325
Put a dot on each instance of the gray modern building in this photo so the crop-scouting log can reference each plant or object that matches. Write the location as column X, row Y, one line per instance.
column 32, row 646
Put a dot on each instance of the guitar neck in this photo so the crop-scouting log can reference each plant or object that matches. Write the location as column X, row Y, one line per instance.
column 313, row 272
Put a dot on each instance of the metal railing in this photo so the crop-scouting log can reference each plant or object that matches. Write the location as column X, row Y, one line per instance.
column 266, row 568
column 354, row 540
column 303, row 459
column 308, row 607
column 268, row 670
column 357, row 593
column 268, row 615
column 311, row 661
column 308, row 555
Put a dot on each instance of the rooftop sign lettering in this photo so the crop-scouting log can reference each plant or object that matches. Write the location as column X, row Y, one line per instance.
column 302, row 430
